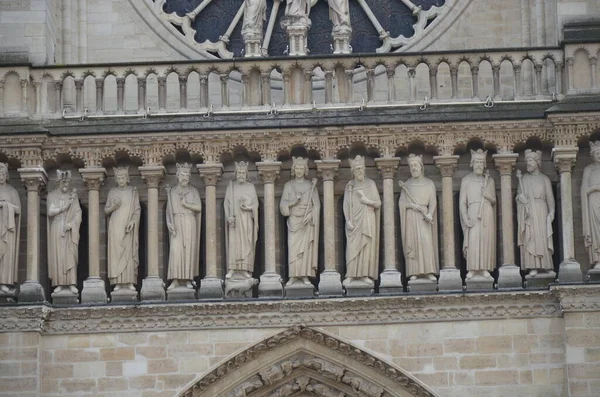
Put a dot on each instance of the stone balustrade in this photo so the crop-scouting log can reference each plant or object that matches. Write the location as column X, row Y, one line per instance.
column 277, row 84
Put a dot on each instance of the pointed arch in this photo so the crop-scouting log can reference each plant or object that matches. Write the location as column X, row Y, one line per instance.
column 305, row 360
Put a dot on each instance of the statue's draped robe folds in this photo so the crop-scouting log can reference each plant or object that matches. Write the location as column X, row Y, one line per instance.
column 362, row 243
column 339, row 13
column 302, row 226
column 254, row 16
column 184, row 247
column 419, row 237
column 590, row 207
column 535, row 230
column 297, row 8
column 240, row 238
column 479, row 244
column 9, row 234
column 123, row 248
column 63, row 244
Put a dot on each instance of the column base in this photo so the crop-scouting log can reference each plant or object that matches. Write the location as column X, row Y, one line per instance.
column 593, row 275
column 422, row 285
column 450, row 280
column 153, row 289
column 300, row 290
column 540, row 280
column 240, row 288
column 181, row 293
column 124, row 295
column 211, row 288
column 509, row 277
column 330, row 284
column 480, row 283
column 94, row 291
column 569, row 272
column 270, row 286
column 31, row 292
column 65, row 297
column 390, row 282
column 10, row 296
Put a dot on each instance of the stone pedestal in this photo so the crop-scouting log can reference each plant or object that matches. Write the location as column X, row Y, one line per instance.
column 330, row 284
column 124, row 295
column 422, row 285
column 94, row 291
column 450, row 280
column 540, row 280
column 390, row 282
column 31, row 292
column 240, row 287
column 359, row 288
column 65, row 297
column 478, row 283
column 569, row 272
column 211, row 288
column 509, row 277
column 8, row 297
column 252, row 46
column 593, row 275
column 341, row 40
column 270, row 286
column 296, row 28
column 153, row 289
column 300, row 290
column 181, row 293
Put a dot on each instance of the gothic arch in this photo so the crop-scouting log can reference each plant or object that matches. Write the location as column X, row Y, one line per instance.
column 302, row 361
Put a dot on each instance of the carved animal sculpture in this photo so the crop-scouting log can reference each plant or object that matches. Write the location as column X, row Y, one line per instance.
column 239, row 288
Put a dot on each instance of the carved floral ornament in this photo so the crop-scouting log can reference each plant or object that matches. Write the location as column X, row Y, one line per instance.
column 327, row 143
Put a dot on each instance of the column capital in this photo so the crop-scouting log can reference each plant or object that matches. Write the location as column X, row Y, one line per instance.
column 152, row 175
column 446, row 164
column 93, row 177
column 564, row 159
column 388, row 166
column 210, row 172
column 327, row 169
column 268, row 170
column 33, row 178
column 505, row 162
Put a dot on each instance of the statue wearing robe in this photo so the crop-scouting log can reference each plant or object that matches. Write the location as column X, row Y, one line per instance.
column 590, row 206
column 339, row 13
column 10, row 210
column 64, row 220
column 297, row 8
column 123, row 209
column 255, row 13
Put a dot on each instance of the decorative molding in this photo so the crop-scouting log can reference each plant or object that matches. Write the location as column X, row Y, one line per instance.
column 577, row 298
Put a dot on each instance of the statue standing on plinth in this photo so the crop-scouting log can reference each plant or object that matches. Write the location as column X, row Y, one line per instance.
column 362, row 213
column 184, row 215
column 477, row 204
column 535, row 213
column 10, row 226
column 301, row 205
column 418, row 205
column 590, row 206
column 64, row 220
column 123, row 209
column 241, row 213
column 339, row 13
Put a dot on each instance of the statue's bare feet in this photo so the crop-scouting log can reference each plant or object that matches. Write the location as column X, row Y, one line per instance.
column 596, row 266
column 247, row 274
column 347, row 281
column 486, row 274
column 4, row 288
column 229, row 274
column 73, row 289
column 189, row 285
column 431, row 277
column 131, row 286
column 470, row 275
column 174, row 284
column 368, row 281
column 117, row 287
column 533, row 273
column 291, row 281
column 413, row 278
column 58, row 289
column 306, row 281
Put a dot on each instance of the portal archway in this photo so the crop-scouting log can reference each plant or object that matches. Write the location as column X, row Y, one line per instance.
column 304, row 362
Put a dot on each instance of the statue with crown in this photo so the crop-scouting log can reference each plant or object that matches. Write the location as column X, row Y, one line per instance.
column 590, row 208
column 301, row 205
column 10, row 227
column 477, row 205
column 241, row 233
column 362, row 206
column 184, row 215
column 64, row 220
column 418, row 227
column 535, row 214
column 123, row 211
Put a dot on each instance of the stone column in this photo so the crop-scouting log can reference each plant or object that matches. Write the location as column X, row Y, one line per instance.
column 270, row 281
column 94, row 289
column 34, row 180
column 509, row 274
column 450, row 279
column 211, row 286
column 153, row 286
column 331, row 282
column 390, row 280
column 569, row 270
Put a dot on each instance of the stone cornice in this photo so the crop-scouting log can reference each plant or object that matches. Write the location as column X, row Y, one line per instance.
column 318, row 312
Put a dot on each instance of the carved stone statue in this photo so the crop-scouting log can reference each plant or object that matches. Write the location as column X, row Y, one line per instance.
column 123, row 209
column 362, row 213
column 418, row 204
column 241, row 234
column 339, row 13
column 297, row 8
column 590, row 206
column 255, row 13
column 184, row 214
column 535, row 213
column 10, row 226
column 300, row 203
column 477, row 205
column 64, row 220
